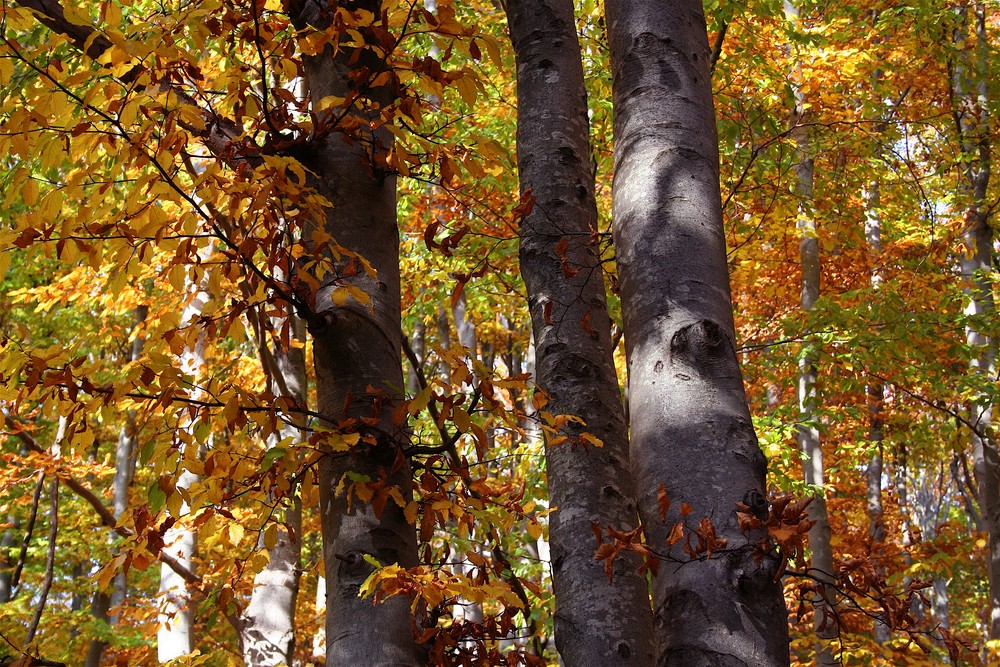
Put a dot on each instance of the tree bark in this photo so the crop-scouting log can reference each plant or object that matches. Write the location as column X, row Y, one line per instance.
column 690, row 425
column 357, row 352
column 970, row 78
column 588, row 485
column 175, row 637
column 821, row 563
column 104, row 601
column 267, row 630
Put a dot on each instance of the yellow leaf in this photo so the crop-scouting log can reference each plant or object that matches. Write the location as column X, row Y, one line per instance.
column 467, row 89
column 534, row 529
column 270, row 537
column 6, row 71
column 461, row 419
column 29, row 192
column 339, row 296
column 112, row 14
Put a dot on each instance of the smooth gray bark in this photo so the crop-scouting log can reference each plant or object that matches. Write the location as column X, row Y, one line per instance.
column 267, row 626
column 690, row 425
column 875, row 391
column 970, row 81
column 821, row 562
column 175, row 636
column 597, row 620
column 357, row 352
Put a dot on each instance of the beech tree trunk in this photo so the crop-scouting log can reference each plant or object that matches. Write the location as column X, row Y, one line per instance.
column 175, row 637
column 357, row 352
column 597, row 620
column 691, row 430
column 821, row 562
column 970, row 79
column 267, row 627
column 876, row 398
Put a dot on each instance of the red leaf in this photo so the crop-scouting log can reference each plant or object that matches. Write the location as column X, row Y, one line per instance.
column 662, row 502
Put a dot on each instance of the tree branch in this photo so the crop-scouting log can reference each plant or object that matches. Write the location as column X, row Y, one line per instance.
column 50, row 561
column 106, row 516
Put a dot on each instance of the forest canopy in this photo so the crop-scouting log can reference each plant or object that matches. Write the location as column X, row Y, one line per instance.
column 498, row 332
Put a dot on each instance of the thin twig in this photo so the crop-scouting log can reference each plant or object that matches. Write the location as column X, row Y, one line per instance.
column 50, row 561
column 23, row 556
column 107, row 517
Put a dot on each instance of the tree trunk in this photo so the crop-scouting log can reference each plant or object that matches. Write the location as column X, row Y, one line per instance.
column 970, row 78
column 124, row 467
column 359, row 373
column 690, row 425
column 175, row 637
column 267, row 628
column 588, row 485
column 825, row 619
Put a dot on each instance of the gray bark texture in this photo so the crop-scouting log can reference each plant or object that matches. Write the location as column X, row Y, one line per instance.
column 597, row 620
column 690, row 425
column 821, row 562
column 970, row 81
column 267, row 627
column 357, row 350
column 876, row 400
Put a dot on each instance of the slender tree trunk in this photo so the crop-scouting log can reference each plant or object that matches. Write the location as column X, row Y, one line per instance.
column 875, row 389
column 7, row 542
column 357, row 351
column 588, row 485
column 175, row 637
column 825, row 620
column 319, row 639
column 104, row 601
column 267, row 627
column 970, row 78
column 691, row 430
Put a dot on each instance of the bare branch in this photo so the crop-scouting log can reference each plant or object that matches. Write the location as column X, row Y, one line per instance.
column 106, row 516
column 50, row 561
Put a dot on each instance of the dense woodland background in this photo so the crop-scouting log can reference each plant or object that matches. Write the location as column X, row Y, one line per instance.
column 164, row 440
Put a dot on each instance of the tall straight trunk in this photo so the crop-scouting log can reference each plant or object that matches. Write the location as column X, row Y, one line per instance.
column 875, row 391
column 104, row 601
column 572, row 331
column 175, row 637
column 970, row 78
column 825, row 619
column 267, row 626
column 357, row 352
column 691, row 430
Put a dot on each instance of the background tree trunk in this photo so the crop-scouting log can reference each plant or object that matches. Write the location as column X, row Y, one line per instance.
column 821, row 562
column 588, row 485
column 124, row 468
column 970, row 78
column 175, row 637
column 690, row 425
column 267, row 630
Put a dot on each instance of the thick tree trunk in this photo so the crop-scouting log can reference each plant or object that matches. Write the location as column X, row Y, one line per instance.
column 970, row 78
column 359, row 373
column 825, row 620
column 690, row 425
column 588, row 485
